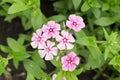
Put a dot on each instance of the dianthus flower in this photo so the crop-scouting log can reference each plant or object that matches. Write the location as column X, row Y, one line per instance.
column 75, row 22
column 70, row 62
column 47, row 50
column 38, row 39
column 65, row 40
column 51, row 29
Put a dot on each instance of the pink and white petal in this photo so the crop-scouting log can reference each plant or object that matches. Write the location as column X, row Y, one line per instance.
column 65, row 67
column 54, row 76
column 48, row 56
column 71, row 38
column 82, row 25
column 76, row 60
column 72, row 54
column 46, row 36
column 63, row 78
column 78, row 18
column 39, row 32
column 42, row 53
column 34, row 37
column 50, row 43
column 41, row 45
column 72, row 67
column 55, row 34
column 44, row 28
column 77, row 28
column 64, row 33
column 34, row 44
column 69, row 46
column 57, row 26
column 51, row 24
column 64, row 60
column 54, row 51
column 58, row 38
column 69, row 24
column 61, row 46
column 72, row 17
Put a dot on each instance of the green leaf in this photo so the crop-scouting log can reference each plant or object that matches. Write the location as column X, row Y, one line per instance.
column 38, row 60
column 60, row 6
column 15, row 46
column 33, row 69
column 37, row 19
column 94, row 3
column 76, row 3
column 106, row 34
column 17, row 6
column 56, row 63
column 20, row 56
column 105, row 21
column 96, row 12
column 30, row 77
column 26, row 23
column 105, row 6
column 21, row 39
column 16, row 63
column 95, row 59
column 58, row 18
column 78, row 71
column 3, row 64
column 9, row 17
column 116, row 62
column 85, row 7
column 5, row 49
column 67, row 75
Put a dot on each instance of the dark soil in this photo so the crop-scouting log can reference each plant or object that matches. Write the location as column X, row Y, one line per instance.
column 13, row 29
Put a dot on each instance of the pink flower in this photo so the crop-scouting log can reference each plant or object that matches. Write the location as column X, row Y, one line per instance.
column 70, row 61
column 38, row 39
column 55, row 75
column 47, row 50
column 75, row 22
column 65, row 41
column 51, row 29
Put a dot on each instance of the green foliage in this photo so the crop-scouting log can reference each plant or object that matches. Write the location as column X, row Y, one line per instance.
column 18, row 52
column 76, row 3
column 116, row 62
column 3, row 64
column 95, row 58
column 33, row 70
column 67, row 75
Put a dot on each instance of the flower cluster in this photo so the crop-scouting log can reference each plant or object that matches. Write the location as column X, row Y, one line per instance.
column 50, row 39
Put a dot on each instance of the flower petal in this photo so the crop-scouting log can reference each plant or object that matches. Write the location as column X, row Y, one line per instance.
column 69, row 46
column 39, row 32
column 42, row 53
column 48, row 56
column 54, row 51
column 64, row 59
column 65, row 67
column 71, row 54
column 72, row 17
column 64, row 33
column 71, row 38
column 59, row 38
column 61, row 46
column 76, row 60
column 72, row 67
column 34, row 44
column 50, row 43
